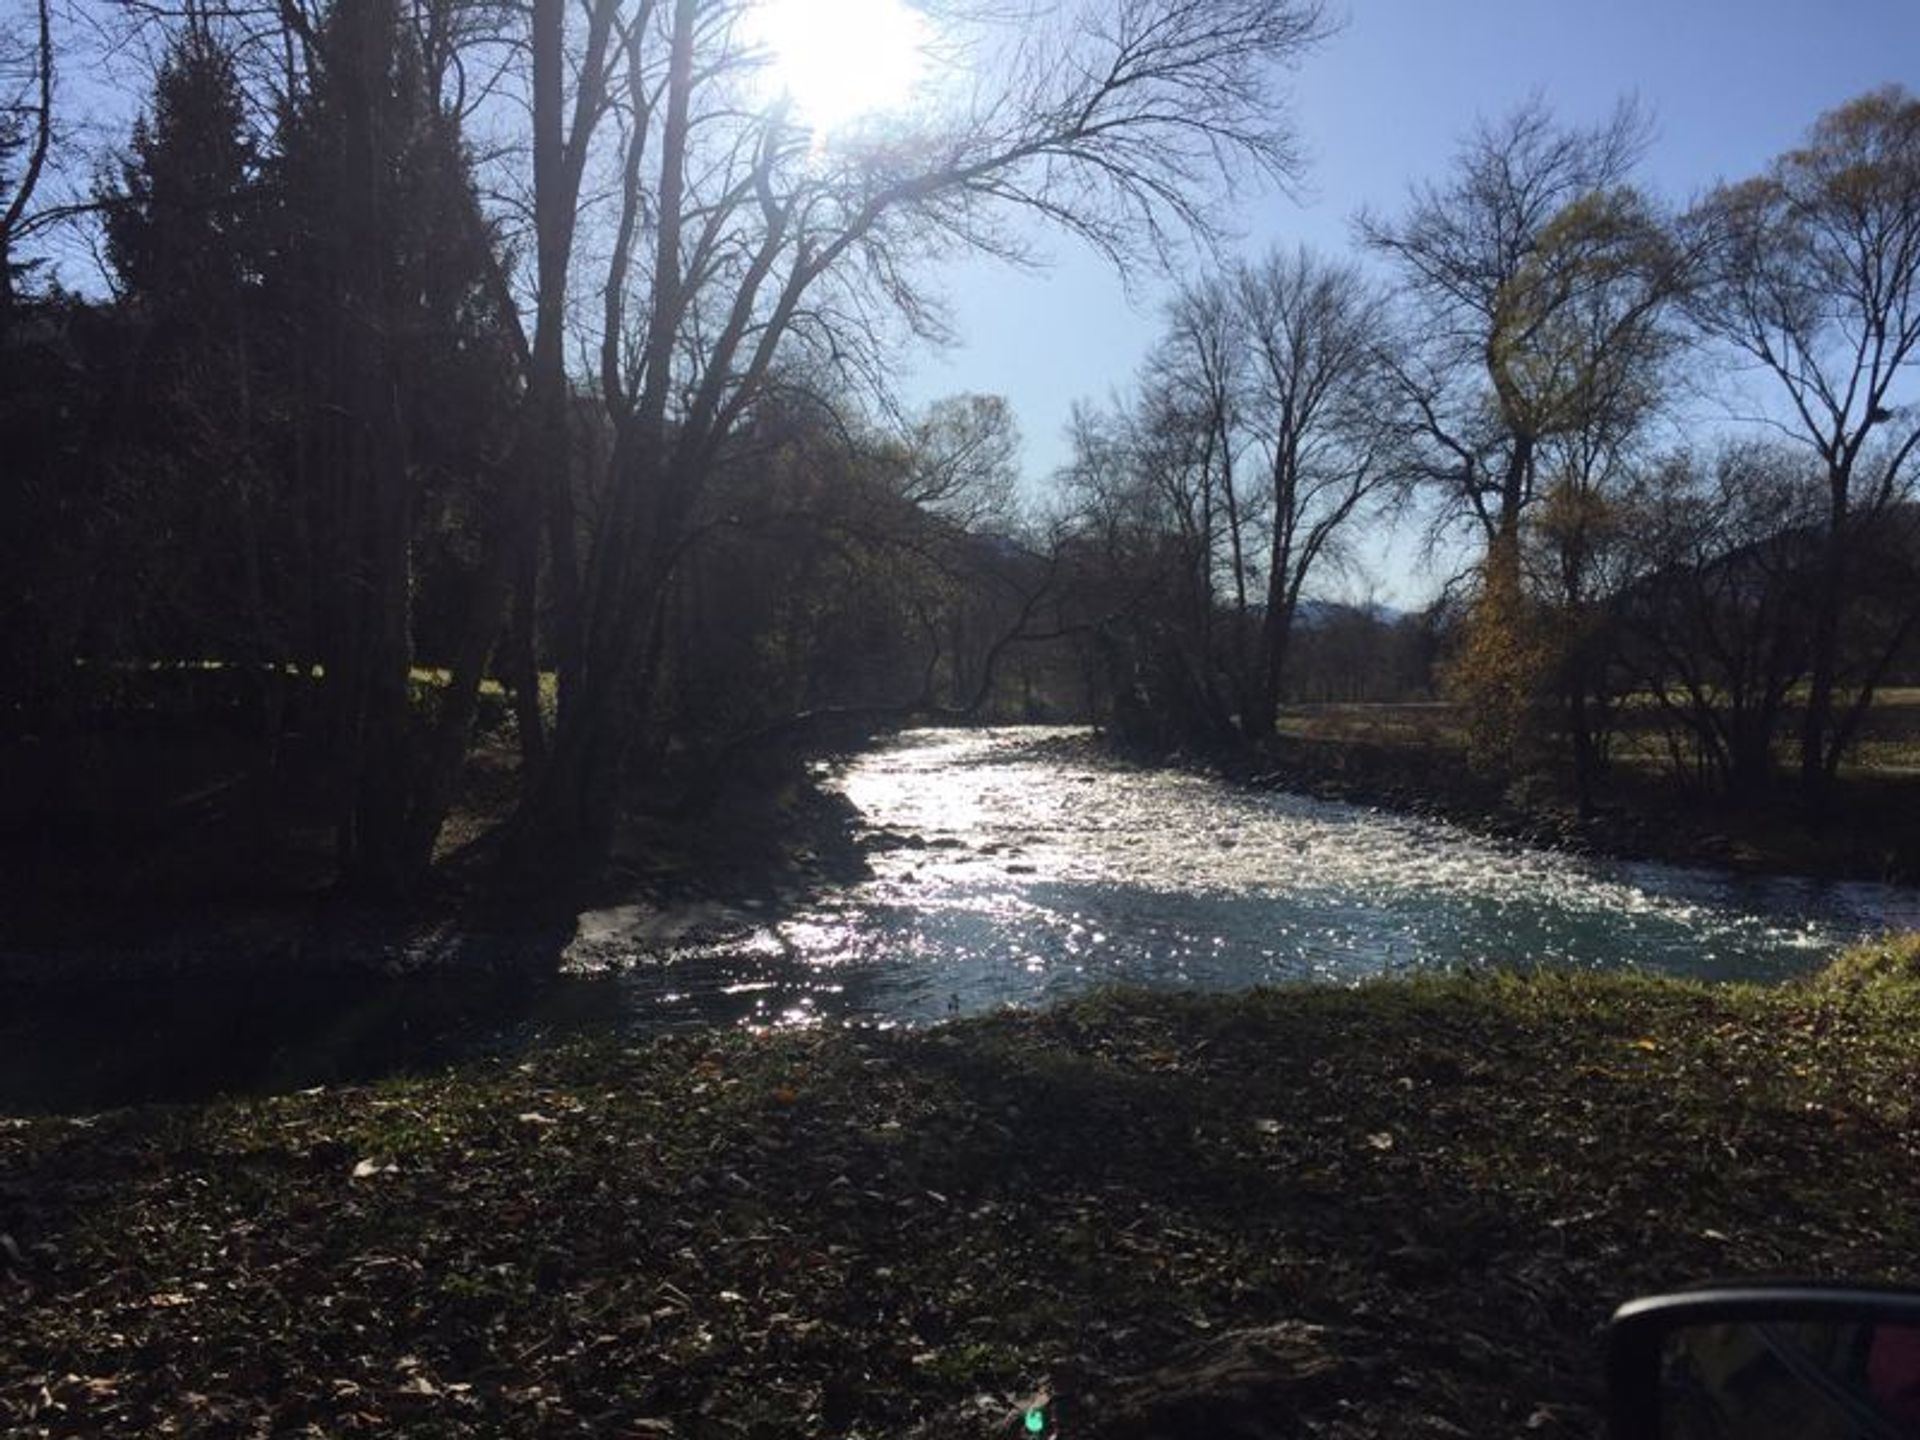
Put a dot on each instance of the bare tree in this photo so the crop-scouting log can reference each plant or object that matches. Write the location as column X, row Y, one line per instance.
column 1811, row 272
column 1714, row 625
column 1190, row 412
column 1257, row 434
column 1138, row 556
column 1533, row 273
column 753, row 242
column 962, row 461
column 26, row 137
column 1318, row 337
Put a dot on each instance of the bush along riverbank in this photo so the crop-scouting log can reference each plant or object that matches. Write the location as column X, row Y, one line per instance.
column 1868, row 833
column 1403, row 1210
column 769, row 836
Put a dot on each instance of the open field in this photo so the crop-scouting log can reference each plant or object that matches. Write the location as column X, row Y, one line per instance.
column 1889, row 743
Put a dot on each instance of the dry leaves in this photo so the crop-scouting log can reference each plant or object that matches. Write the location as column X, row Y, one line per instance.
column 909, row 1234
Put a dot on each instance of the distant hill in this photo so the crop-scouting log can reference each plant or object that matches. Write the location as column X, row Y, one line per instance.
column 1314, row 613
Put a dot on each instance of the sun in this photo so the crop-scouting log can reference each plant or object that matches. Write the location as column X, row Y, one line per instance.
column 840, row 60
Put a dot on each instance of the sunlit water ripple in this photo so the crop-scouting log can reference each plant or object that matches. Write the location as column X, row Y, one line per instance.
column 1027, row 869
column 1014, row 867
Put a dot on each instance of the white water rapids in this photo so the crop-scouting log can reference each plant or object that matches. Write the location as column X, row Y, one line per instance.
column 1009, row 867
column 1018, row 867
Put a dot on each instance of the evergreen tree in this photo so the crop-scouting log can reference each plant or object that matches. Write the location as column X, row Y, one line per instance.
column 191, row 419
column 398, row 372
column 179, row 231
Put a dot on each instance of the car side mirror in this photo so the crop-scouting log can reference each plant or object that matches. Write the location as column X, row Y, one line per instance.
column 1783, row 1362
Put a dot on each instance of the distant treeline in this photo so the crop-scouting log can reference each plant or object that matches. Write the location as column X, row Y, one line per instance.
column 1543, row 331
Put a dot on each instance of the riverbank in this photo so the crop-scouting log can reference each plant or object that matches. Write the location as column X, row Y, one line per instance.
column 189, row 895
column 1411, row 759
column 1404, row 1209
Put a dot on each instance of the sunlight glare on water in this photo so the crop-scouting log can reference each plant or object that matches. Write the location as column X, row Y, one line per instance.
column 1009, row 867
column 1020, row 866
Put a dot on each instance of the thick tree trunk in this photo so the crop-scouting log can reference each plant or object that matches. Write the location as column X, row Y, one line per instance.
column 1816, row 767
column 568, row 821
column 383, row 862
column 1276, row 636
column 523, row 656
column 1276, row 626
column 372, row 486
column 1514, row 488
column 569, row 816
column 1586, row 749
column 555, row 481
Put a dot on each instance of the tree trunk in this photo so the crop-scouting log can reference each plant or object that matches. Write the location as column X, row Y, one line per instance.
column 1276, row 626
column 1586, row 750
column 1276, row 636
column 1815, row 770
column 569, row 815
column 383, row 861
column 1514, row 486
column 523, row 656
column 371, row 488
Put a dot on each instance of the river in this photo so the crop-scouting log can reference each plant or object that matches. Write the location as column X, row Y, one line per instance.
column 1011, row 866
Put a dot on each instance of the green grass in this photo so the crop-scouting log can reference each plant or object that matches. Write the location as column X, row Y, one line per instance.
column 1888, row 967
column 1889, row 742
column 1436, row 1190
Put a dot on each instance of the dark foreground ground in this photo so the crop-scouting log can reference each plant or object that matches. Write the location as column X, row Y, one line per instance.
column 1404, row 1210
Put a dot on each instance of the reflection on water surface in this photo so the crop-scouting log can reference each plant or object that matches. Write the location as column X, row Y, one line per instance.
column 1015, row 866
column 1021, row 867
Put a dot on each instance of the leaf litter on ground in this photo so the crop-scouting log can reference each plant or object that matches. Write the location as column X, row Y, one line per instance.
column 1405, row 1209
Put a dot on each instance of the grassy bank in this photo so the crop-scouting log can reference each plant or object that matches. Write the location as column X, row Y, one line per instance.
column 1402, row 1210
column 1414, row 757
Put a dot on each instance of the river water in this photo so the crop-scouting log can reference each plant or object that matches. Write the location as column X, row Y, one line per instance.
column 1020, row 867
column 1012, row 866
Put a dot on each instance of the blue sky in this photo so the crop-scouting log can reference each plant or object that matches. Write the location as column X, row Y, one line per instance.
column 1382, row 104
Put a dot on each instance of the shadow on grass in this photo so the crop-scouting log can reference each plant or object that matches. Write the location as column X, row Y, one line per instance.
column 263, row 1030
column 1405, row 1210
